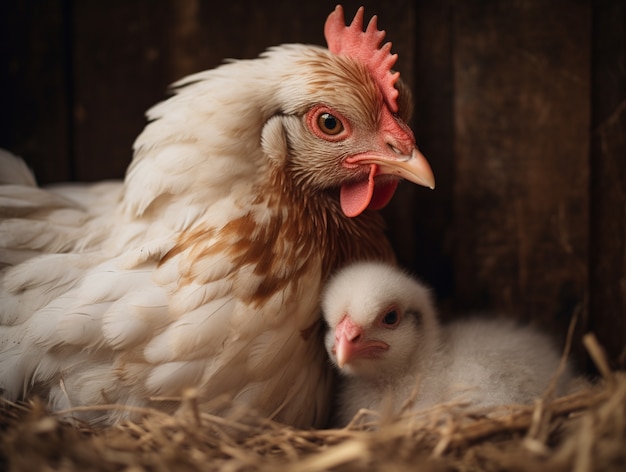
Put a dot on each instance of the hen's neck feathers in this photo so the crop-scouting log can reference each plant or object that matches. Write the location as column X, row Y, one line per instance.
column 218, row 116
column 284, row 237
column 214, row 158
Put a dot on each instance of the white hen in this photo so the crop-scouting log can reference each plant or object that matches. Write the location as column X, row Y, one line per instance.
column 385, row 339
column 203, row 269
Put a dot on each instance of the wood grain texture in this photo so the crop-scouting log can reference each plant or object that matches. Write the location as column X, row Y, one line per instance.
column 81, row 75
column 521, row 162
column 34, row 87
column 119, row 69
column 608, row 180
column 419, row 218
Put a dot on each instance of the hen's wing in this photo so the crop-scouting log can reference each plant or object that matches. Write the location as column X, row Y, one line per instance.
column 90, row 314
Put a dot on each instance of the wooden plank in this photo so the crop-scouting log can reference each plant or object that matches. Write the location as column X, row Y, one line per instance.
column 608, row 180
column 521, row 186
column 33, row 86
column 419, row 218
column 127, row 54
column 118, row 73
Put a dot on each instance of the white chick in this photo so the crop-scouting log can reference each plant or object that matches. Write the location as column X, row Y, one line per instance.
column 384, row 336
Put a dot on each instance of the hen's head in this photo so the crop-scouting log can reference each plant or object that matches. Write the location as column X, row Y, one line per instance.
column 349, row 129
column 299, row 119
column 380, row 320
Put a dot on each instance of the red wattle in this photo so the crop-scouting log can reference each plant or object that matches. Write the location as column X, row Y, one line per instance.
column 383, row 194
column 356, row 197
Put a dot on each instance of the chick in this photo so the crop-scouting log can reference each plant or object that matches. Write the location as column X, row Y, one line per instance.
column 385, row 338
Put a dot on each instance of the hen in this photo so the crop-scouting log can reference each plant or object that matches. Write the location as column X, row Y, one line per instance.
column 203, row 269
column 385, row 338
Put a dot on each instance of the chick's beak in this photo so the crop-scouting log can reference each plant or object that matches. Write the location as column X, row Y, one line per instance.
column 351, row 343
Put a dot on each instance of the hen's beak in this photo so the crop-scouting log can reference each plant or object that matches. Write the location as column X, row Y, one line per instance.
column 413, row 167
column 376, row 193
column 392, row 152
column 351, row 343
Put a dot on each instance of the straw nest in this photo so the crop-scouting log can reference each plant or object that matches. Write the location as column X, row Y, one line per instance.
column 581, row 432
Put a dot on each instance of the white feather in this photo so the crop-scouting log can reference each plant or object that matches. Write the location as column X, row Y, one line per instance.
column 62, row 322
column 169, row 378
column 152, row 251
column 14, row 170
column 17, row 361
column 135, row 317
column 44, row 278
column 200, row 332
column 193, row 295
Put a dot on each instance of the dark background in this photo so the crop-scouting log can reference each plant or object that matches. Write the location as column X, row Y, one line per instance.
column 520, row 109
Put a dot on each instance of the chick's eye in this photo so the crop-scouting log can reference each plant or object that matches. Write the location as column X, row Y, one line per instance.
column 329, row 124
column 391, row 318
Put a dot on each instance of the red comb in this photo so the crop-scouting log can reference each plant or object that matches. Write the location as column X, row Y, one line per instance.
column 365, row 47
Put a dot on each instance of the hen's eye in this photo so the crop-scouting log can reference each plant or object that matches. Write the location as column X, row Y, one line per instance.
column 329, row 124
column 391, row 318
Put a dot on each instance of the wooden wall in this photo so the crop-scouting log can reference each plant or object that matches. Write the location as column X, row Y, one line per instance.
column 607, row 239
column 520, row 108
